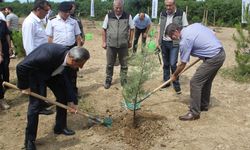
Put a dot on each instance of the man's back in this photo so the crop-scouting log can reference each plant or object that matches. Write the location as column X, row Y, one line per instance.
column 13, row 21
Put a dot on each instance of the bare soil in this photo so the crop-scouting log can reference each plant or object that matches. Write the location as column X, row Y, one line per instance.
column 226, row 126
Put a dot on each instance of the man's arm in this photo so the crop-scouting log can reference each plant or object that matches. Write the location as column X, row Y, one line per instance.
column 1, row 52
column 28, row 41
column 179, row 69
column 79, row 40
column 131, row 31
column 9, row 43
column 131, row 35
column 104, row 42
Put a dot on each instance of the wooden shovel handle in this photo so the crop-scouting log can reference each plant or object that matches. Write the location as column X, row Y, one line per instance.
column 47, row 100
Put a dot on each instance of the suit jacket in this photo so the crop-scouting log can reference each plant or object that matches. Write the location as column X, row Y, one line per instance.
column 40, row 64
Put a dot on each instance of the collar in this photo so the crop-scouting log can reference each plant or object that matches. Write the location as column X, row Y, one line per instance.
column 172, row 13
column 65, row 60
column 35, row 17
column 60, row 18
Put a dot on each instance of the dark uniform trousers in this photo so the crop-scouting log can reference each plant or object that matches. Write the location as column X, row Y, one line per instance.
column 4, row 72
column 139, row 32
column 58, row 86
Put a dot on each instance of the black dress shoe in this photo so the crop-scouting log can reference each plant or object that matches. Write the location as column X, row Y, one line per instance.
column 204, row 109
column 65, row 131
column 45, row 111
column 189, row 116
column 31, row 145
column 107, row 85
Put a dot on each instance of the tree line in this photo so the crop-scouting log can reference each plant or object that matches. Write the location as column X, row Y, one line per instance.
column 219, row 12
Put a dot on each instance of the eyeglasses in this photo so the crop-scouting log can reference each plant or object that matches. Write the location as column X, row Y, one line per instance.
column 44, row 9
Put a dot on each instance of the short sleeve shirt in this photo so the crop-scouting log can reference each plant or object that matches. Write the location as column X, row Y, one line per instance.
column 63, row 31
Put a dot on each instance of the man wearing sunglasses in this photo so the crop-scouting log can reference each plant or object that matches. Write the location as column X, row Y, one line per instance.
column 33, row 32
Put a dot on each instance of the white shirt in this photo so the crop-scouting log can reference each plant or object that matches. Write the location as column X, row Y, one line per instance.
column 105, row 22
column 60, row 68
column 2, row 17
column 63, row 31
column 33, row 32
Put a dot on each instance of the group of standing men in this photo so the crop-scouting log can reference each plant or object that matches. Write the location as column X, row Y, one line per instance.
column 174, row 35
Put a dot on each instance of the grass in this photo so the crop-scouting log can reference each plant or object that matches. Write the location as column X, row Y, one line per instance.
column 234, row 74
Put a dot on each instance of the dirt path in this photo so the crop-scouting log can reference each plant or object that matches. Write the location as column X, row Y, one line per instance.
column 226, row 126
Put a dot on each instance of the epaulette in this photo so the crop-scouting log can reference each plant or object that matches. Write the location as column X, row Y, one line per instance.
column 53, row 17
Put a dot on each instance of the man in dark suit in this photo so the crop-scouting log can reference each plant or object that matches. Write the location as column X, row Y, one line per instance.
column 46, row 66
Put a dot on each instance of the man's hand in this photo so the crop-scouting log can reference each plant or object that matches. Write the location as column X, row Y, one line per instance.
column 145, row 35
column 1, row 58
column 173, row 77
column 104, row 45
column 26, row 91
column 73, row 107
column 129, row 44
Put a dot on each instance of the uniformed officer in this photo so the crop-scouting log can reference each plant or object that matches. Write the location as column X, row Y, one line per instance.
column 64, row 30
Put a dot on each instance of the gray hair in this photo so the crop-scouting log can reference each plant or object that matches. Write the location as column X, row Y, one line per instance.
column 118, row 2
column 171, row 28
column 79, row 54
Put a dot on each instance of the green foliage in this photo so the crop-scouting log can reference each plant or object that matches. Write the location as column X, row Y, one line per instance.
column 242, row 53
column 227, row 12
column 234, row 73
column 17, row 39
column 141, row 70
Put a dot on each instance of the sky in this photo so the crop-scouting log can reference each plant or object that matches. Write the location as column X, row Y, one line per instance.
column 33, row 0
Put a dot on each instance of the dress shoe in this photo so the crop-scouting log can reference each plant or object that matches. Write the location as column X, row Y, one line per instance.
column 107, row 84
column 189, row 116
column 177, row 90
column 204, row 109
column 65, row 131
column 3, row 104
column 45, row 111
column 31, row 145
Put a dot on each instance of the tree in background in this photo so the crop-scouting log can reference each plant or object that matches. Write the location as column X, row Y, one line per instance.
column 242, row 53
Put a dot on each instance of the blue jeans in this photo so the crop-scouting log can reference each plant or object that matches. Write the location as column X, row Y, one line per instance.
column 170, row 58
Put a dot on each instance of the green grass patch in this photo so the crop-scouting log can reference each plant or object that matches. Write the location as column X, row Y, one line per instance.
column 235, row 74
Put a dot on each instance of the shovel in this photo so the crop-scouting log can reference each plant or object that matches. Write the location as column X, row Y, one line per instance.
column 106, row 121
column 137, row 106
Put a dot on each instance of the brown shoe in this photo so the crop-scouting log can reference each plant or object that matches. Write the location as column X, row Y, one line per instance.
column 3, row 104
column 189, row 116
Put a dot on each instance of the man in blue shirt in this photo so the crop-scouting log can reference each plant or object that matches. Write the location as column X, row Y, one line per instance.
column 198, row 41
column 142, row 24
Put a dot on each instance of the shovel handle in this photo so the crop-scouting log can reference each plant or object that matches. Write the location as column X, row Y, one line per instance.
column 168, row 81
column 52, row 102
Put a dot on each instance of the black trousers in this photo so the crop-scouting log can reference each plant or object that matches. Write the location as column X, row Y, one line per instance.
column 138, row 32
column 58, row 86
column 4, row 73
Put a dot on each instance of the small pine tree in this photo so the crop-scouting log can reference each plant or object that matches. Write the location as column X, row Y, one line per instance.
column 142, row 68
column 242, row 53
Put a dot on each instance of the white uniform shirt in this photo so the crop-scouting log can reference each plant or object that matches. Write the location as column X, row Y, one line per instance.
column 2, row 17
column 33, row 32
column 63, row 32
column 105, row 22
